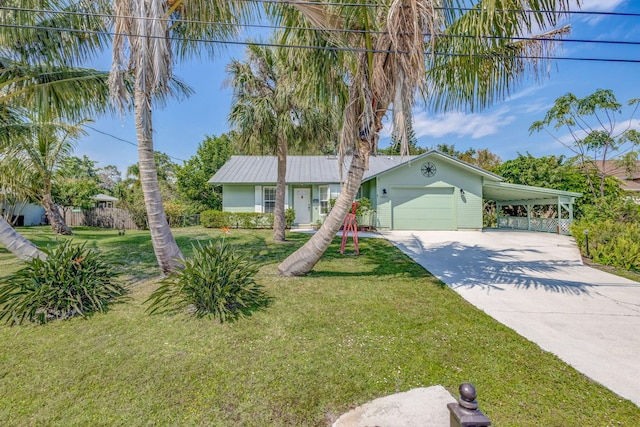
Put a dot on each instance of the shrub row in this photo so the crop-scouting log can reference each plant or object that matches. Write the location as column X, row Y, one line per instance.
column 217, row 282
column 218, row 219
column 610, row 242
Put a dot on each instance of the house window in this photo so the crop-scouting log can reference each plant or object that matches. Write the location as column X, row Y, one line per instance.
column 324, row 199
column 269, row 199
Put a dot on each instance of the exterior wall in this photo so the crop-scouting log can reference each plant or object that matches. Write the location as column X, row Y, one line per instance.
column 334, row 192
column 238, row 198
column 467, row 206
column 33, row 214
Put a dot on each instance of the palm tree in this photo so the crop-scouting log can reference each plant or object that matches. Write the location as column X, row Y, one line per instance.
column 39, row 72
column 144, row 27
column 268, row 113
column 41, row 153
column 470, row 59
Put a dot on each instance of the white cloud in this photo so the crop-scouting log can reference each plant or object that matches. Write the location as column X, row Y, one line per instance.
column 598, row 6
column 601, row 5
column 461, row 124
column 525, row 93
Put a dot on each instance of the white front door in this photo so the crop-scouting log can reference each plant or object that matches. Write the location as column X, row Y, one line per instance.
column 302, row 205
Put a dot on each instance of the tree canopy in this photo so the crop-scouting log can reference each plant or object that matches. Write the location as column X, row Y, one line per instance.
column 559, row 173
column 595, row 132
column 192, row 178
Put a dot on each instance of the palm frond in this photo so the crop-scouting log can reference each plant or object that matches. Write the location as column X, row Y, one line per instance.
column 35, row 36
column 478, row 61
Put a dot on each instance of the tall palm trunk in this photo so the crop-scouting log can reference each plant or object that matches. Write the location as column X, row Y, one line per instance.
column 18, row 245
column 164, row 245
column 278, row 211
column 305, row 258
column 55, row 219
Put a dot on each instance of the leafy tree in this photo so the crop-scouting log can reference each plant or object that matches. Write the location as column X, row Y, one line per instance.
column 109, row 176
column 391, row 67
column 558, row 173
column 482, row 158
column 592, row 124
column 131, row 193
column 76, row 182
column 192, row 178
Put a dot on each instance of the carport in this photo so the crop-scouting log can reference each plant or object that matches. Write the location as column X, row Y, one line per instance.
column 506, row 194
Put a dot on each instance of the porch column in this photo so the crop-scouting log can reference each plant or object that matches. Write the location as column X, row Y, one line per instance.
column 558, row 228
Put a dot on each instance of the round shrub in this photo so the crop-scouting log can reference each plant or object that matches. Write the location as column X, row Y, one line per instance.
column 72, row 281
column 216, row 282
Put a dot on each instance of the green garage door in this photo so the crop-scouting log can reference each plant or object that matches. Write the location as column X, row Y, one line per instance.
column 423, row 209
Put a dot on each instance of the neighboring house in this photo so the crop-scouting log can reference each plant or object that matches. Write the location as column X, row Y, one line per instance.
column 105, row 201
column 432, row 191
column 24, row 214
column 630, row 177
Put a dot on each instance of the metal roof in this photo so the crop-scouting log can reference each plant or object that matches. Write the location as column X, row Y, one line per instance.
column 105, row 198
column 300, row 169
column 324, row 170
column 504, row 191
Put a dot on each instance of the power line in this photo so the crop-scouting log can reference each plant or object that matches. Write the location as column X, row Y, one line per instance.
column 375, row 5
column 463, row 9
column 199, row 40
column 450, row 8
column 335, row 30
column 124, row 140
column 327, row 48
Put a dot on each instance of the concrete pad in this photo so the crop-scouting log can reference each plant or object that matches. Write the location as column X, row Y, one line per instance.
column 536, row 284
column 426, row 407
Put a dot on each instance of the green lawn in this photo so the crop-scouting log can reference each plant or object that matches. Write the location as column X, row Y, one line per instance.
column 357, row 328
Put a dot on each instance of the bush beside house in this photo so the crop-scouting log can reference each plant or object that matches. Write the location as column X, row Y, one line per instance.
column 218, row 219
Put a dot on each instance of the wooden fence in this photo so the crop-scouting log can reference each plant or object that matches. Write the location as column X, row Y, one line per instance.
column 99, row 217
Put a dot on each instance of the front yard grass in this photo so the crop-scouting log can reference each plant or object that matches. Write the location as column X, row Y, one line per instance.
column 356, row 328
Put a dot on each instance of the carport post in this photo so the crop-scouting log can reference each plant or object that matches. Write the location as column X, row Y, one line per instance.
column 559, row 215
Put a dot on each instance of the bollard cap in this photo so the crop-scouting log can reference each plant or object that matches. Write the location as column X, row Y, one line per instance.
column 468, row 396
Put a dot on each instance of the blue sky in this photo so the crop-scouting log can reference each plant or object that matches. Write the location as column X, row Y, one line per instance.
column 180, row 126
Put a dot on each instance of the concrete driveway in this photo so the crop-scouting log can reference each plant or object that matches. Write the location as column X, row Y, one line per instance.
column 536, row 284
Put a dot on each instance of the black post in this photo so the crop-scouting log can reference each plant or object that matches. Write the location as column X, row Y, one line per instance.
column 586, row 242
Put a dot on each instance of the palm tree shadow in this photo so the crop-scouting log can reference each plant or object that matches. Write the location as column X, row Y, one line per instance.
column 467, row 266
column 377, row 258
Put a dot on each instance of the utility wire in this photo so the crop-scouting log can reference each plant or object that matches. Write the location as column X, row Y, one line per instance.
column 199, row 40
column 333, row 30
column 450, row 8
column 375, row 5
column 463, row 9
column 327, row 48
column 124, row 140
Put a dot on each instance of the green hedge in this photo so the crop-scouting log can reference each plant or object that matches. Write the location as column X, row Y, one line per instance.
column 217, row 219
column 610, row 242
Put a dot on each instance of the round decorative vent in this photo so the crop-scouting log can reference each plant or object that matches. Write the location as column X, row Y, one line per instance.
column 428, row 169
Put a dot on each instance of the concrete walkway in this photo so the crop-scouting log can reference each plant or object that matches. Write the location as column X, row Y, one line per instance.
column 536, row 284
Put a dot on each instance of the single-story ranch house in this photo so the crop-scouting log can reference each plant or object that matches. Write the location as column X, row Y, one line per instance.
column 432, row 191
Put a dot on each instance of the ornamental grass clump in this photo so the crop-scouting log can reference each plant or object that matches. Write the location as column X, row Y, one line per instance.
column 71, row 281
column 217, row 282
